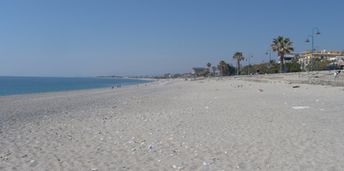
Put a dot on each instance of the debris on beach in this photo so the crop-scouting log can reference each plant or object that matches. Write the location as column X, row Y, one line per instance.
column 150, row 147
column 240, row 86
column 260, row 90
column 300, row 107
column 296, row 86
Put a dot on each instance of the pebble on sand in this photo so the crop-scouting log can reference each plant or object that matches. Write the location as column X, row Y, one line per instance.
column 33, row 163
column 150, row 147
column 300, row 107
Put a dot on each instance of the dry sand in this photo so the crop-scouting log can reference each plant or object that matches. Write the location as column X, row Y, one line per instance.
column 211, row 124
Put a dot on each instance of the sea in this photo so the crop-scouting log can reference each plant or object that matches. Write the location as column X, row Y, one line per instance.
column 29, row 85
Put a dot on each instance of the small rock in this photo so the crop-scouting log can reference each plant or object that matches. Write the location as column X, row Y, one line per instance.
column 34, row 163
column 260, row 90
column 150, row 147
column 296, row 86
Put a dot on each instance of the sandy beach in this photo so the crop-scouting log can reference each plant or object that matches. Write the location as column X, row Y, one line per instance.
column 232, row 123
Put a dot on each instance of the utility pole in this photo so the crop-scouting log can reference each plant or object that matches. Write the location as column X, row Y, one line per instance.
column 315, row 31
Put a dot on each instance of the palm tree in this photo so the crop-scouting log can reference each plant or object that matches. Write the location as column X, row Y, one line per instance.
column 223, row 68
column 238, row 57
column 209, row 65
column 214, row 70
column 282, row 46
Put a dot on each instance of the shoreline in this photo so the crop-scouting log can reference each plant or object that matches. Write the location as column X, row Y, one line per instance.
column 82, row 89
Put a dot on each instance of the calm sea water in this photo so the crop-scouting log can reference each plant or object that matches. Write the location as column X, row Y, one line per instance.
column 28, row 85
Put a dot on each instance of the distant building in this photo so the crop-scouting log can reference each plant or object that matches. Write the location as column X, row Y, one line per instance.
column 306, row 58
column 288, row 58
column 167, row 75
column 199, row 71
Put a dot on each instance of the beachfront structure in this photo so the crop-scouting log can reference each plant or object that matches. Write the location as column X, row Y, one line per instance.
column 335, row 57
column 307, row 58
column 199, row 71
column 288, row 58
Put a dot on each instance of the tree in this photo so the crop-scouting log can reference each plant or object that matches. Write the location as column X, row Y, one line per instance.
column 209, row 66
column 225, row 69
column 214, row 70
column 231, row 69
column 238, row 57
column 222, row 68
column 294, row 65
column 267, row 67
column 282, row 46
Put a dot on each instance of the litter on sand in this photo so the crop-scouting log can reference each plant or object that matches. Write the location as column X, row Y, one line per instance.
column 300, row 107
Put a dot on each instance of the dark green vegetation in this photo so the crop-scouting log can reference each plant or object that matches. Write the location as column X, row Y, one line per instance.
column 238, row 57
column 282, row 46
column 226, row 69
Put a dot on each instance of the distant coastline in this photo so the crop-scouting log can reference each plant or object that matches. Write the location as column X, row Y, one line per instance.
column 109, row 76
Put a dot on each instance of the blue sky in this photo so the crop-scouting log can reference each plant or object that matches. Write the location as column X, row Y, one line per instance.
column 106, row 37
